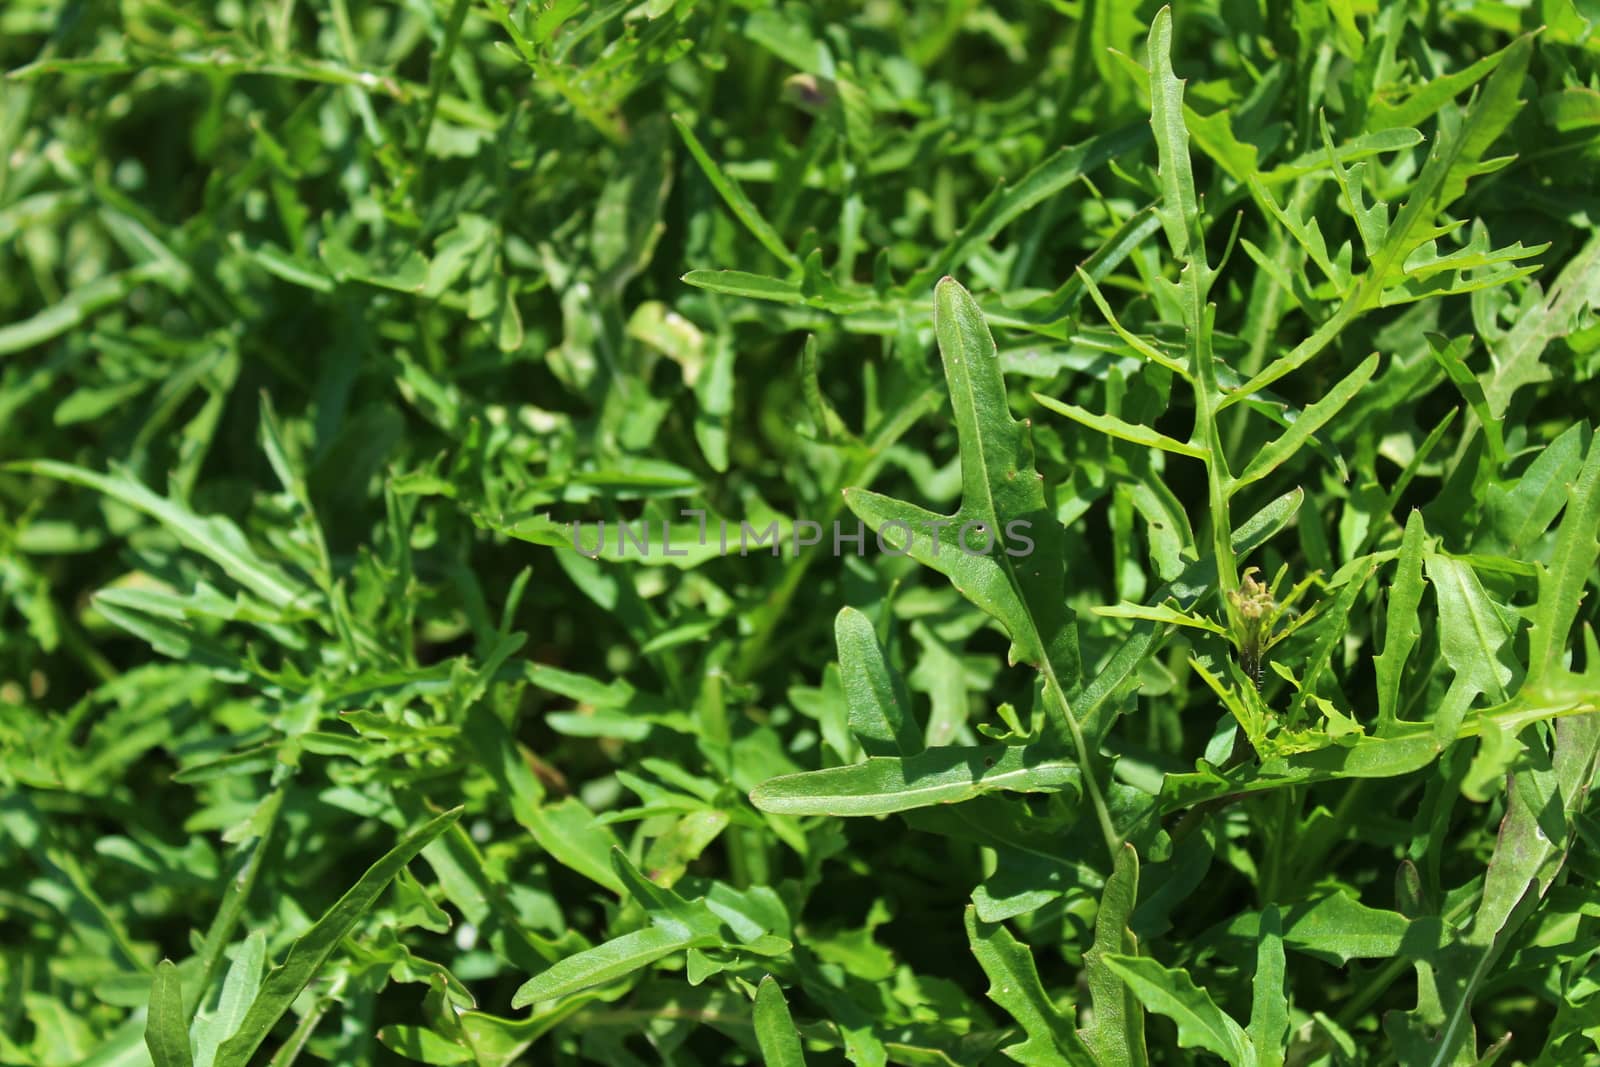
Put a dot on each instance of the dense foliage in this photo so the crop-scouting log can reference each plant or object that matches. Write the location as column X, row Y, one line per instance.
column 1207, row 672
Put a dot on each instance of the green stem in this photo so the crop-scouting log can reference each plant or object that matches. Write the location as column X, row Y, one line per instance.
column 1218, row 484
column 234, row 899
column 1086, row 762
column 439, row 68
column 291, row 1049
column 1263, row 325
column 1081, row 65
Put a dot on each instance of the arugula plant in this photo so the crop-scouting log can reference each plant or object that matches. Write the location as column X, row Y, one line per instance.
column 726, row 531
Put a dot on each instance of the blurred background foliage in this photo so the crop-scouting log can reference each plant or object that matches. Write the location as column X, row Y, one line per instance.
column 321, row 317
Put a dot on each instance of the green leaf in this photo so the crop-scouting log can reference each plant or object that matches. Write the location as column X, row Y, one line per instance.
column 1448, row 354
column 1018, row 579
column 1453, row 160
column 665, row 907
column 775, row 1030
column 404, row 272
column 1180, row 207
column 239, row 989
column 676, row 925
column 627, row 212
column 1116, row 1036
column 714, row 391
column 501, row 1042
column 215, row 537
column 1317, row 660
column 1523, row 510
column 166, row 1028
column 1149, row 351
column 1401, row 631
column 1317, row 757
column 1365, row 757
column 422, row 1045
column 1338, row 928
column 1007, row 203
column 1171, row 992
column 568, row 831
column 1014, row 985
column 744, row 283
column 1571, row 567
column 1431, row 95
column 616, row 958
column 1269, row 1006
column 1307, row 423
column 1162, row 613
column 1543, row 799
column 1001, row 490
column 828, row 423
column 1517, row 354
column 879, row 709
column 291, row 268
column 1490, row 115
column 883, row 785
column 736, row 199
column 1473, row 639
column 312, row 949
column 1112, row 426
column 75, row 308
